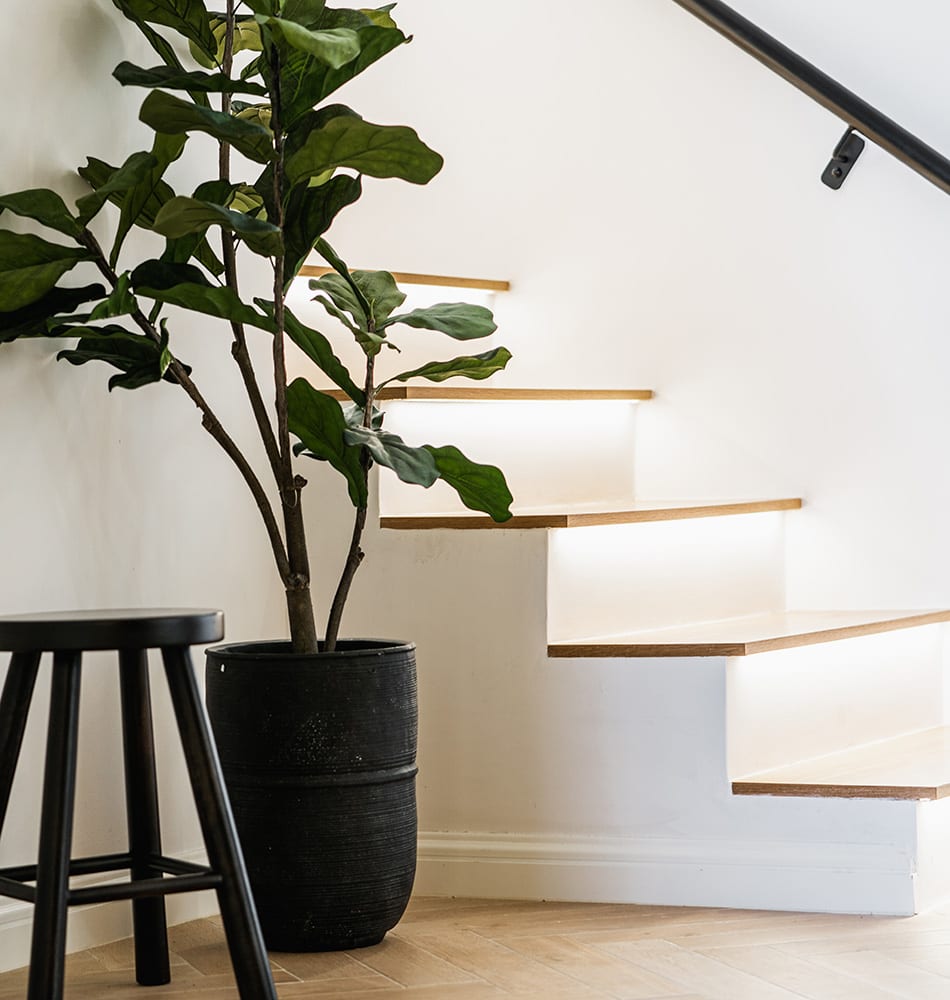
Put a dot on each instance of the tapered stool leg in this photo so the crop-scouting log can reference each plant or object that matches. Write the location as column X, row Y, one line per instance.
column 245, row 941
column 14, row 709
column 141, row 801
column 47, row 958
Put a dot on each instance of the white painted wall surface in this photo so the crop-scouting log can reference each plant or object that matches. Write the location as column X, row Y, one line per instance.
column 114, row 500
column 653, row 195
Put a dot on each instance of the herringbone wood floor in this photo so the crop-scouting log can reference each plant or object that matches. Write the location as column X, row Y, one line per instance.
column 478, row 950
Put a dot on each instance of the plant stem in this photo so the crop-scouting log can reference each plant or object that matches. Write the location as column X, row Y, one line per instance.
column 356, row 554
column 209, row 419
column 303, row 629
column 239, row 349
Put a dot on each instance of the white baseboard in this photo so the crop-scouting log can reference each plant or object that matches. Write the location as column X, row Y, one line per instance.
column 90, row 926
column 833, row 878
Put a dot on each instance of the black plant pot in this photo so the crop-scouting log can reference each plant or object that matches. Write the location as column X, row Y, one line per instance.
column 319, row 753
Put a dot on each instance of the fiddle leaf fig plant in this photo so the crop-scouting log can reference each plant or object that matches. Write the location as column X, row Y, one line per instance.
column 258, row 77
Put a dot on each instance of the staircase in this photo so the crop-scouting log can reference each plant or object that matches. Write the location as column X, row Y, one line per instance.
column 789, row 759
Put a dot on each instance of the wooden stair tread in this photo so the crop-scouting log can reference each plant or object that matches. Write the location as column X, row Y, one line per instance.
column 409, row 278
column 448, row 393
column 749, row 634
column 915, row 766
column 588, row 515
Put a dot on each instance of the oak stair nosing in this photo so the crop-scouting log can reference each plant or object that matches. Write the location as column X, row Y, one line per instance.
column 494, row 394
column 911, row 766
column 584, row 519
column 411, row 278
column 827, row 790
column 652, row 647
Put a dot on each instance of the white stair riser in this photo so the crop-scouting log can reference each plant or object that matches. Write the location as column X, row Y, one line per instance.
column 796, row 704
column 617, row 579
column 553, row 453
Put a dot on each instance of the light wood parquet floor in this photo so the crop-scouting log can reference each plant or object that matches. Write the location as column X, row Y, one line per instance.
column 491, row 950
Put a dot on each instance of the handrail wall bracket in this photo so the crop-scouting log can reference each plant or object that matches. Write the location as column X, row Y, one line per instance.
column 844, row 158
column 856, row 113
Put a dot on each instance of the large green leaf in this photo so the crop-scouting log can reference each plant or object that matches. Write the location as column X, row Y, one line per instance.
column 32, row 320
column 378, row 150
column 319, row 350
column 164, row 48
column 292, row 144
column 309, row 13
column 317, row 420
column 140, row 359
column 97, row 172
column 188, row 17
column 182, row 216
column 120, row 303
column 172, row 116
column 310, row 211
column 380, row 290
column 124, row 179
column 298, row 134
column 246, row 38
column 306, row 82
column 193, row 247
column 478, row 366
column 339, row 265
column 45, row 207
column 150, row 192
column 334, row 48
column 341, row 302
column 30, row 268
column 171, row 78
column 162, row 274
column 412, row 465
column 381, row 15
column 185, row 286
column 458, row 320
column 480, row 487
column 342, row 290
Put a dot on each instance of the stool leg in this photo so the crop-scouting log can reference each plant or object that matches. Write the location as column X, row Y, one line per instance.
column 245, row 941
column 141, row 802
column 14, row 709
column 47, row 958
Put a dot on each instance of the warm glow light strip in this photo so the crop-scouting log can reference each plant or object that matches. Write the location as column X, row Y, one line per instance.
column 405, row 278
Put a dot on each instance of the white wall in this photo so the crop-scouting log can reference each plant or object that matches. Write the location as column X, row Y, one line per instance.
column 653, row 195
column 106, row 500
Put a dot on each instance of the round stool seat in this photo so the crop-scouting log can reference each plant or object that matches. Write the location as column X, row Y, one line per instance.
column 99, row 630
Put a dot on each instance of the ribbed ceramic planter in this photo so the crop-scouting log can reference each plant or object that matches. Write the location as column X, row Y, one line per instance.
column 319, row 758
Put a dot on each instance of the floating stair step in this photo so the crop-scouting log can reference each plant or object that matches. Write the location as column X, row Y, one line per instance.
column 485, row 394
column 588, row 516
column 916, row 766
column 435, row 280
column 749, row 634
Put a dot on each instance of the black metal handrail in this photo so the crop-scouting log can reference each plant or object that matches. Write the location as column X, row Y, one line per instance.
column 830, row 94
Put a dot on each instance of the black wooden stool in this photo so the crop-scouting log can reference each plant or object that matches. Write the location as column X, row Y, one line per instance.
column 131, row 633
